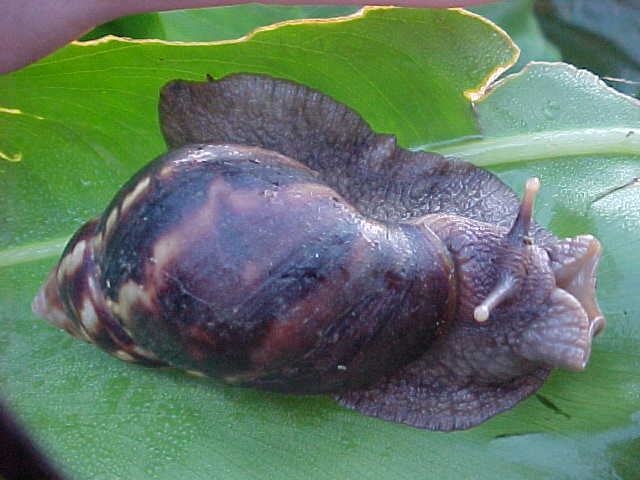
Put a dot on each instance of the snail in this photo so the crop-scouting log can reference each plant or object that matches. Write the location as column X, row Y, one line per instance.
column 281, row 244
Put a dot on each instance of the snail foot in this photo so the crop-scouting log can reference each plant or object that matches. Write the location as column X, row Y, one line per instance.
column 429, row 395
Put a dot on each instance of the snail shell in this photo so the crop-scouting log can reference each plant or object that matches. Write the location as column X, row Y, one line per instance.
column 281, row 244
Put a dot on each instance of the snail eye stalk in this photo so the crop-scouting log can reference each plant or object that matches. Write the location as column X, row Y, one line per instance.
column 512, row 259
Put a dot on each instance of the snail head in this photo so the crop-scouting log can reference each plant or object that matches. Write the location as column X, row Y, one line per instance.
column 536, row 298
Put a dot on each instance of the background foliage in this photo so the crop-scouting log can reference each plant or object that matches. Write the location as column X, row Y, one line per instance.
column 75, row 125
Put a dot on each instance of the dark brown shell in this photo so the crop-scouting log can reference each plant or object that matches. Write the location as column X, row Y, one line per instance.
column 359, row 268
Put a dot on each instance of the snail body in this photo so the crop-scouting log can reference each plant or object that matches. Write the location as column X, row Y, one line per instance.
column 294, row 250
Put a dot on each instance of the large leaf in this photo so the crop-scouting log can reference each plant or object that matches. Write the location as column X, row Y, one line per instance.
column 79, row 122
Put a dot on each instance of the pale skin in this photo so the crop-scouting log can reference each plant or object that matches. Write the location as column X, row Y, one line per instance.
column 31, row 29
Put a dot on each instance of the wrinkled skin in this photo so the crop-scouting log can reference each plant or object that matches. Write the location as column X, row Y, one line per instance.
column 283, row 245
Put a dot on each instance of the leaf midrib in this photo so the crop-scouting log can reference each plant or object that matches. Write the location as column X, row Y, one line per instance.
column 491, row 151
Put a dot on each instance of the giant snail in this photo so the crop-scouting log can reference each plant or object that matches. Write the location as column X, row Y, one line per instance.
column 281, row 244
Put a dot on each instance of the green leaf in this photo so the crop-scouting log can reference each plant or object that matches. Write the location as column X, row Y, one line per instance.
column 571, row 113
column 82, row 120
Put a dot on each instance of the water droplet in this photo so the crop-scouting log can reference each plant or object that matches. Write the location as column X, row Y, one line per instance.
column 550, row 110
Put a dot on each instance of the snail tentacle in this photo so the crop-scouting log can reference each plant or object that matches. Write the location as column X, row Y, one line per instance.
column 512, row 259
